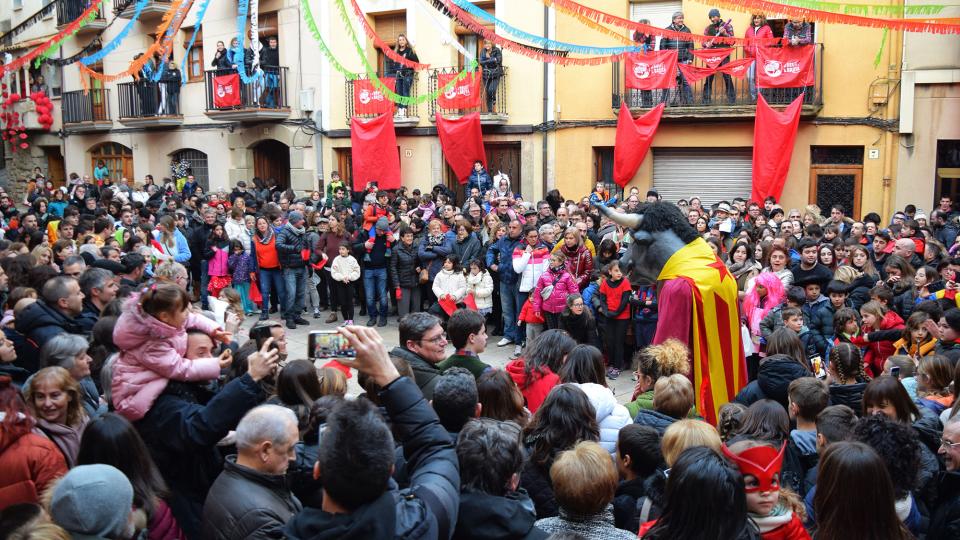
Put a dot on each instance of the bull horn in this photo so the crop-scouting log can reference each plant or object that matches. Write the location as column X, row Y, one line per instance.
column 630, row 221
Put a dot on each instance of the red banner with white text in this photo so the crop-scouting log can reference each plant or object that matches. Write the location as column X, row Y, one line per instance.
column 712, row 57
column 737, row 68
column 461, row 140
column 787, row 67
column 463, row 94
column 374, row 154
column 633, row 141
column 773, row 136
column 368, row 99
column 226, row 91
column 694, row 73
column 651, row 71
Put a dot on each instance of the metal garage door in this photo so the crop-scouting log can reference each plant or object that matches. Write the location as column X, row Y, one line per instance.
column 713, row 174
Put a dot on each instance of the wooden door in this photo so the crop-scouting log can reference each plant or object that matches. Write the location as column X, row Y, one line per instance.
column 501, row 157
column 56, row 168
column 836, row 184
column 271, row 159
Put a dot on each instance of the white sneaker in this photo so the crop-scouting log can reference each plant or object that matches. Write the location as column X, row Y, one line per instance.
column 504, row 342
column 517, row 350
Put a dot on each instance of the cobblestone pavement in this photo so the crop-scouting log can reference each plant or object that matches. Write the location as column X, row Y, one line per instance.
column 495, row 356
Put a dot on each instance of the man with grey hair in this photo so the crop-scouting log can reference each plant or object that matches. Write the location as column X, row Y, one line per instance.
column 490, row 457
column 290, row 245
column 73, row 266
column 423, row 345
column 548, row 235
column 250, row 498
column 99, row 287
column 945, row 522
column 61, row 301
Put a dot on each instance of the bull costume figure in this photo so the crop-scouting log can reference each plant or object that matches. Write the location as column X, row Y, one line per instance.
column 697, row 299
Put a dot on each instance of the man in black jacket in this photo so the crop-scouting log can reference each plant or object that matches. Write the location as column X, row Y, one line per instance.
column 198, row 267
column 945, row 522
column 492, row 505
column 684, row 56
column 290, row 245
column 270, row 62
column 266, row 440
column 359, row 498
column 54, row 313
column 185, row 424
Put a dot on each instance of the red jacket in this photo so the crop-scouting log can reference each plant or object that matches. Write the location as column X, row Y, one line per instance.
column 754, row 33
column 878, row 351
column 792, row 530
column 29, row 464
column 536, row 391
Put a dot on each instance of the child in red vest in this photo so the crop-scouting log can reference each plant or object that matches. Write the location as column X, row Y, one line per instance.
column 613, row 305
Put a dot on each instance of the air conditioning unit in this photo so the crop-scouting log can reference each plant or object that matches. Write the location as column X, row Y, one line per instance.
column 306, row 100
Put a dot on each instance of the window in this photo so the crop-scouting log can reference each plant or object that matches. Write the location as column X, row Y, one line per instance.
column 345, row 165
column 195, row 56
column 659, row 13
column 117, row 157
column 198, row 165
column 603, row 169
column 470, row 41
column 17, row 4
column 836, row 177
column 948, row 170
column 388, row 26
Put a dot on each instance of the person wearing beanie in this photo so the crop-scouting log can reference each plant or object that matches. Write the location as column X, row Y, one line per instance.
column 93, row 502
column 652, row 196
column 720, row 29
column 949, row 333
column 291, row 241
column 684, row 94
column 382, row 227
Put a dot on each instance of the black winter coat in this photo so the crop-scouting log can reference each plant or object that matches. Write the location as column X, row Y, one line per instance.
column 489, row 517
column 850, row 395
column 628, row 503
column 467, row 250
column 858, row 293
column 403, row 266
column 656, row 420
column 428, row 509
column 198, row 243
column 290, row 245
column 425, row 374
column 773, row 379
column 263, row 509
column 39, row 322
column 536, row 481
column 819, row 315
column 945, row 523
column 182, row 430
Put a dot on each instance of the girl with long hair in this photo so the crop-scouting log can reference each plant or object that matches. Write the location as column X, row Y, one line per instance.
column 766, row 293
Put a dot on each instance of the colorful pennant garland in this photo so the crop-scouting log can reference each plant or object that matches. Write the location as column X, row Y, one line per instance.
column 930, row 26
column 877, row 10
column 372, row 73
column 166, row 46
column 193, row 38
column 238, row 53
column 115, row 42
column 387, row 50
column 56, row 46
column 71, row 28
column 548, row 43
column 315, row 32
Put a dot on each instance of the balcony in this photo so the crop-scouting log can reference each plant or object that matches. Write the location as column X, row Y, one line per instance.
column 27, row 110
column 406, row 117
column 152, row 12
column 263, row 100
column 86, row 112
column 717, row 105
column 69, row 10
column 149, row 104
column 498, row 116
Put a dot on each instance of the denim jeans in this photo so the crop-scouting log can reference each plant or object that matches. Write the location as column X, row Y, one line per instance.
column 271, row 280
column 752, row 80
column 375, row 287
column 510, row 301
column 204, row 281
column 403, row 86
column 294, row 282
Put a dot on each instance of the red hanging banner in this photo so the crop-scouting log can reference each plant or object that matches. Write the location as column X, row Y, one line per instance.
column 787, row 67
column 374, row 154
column 737, row 68
column 462, row 142
column 633, row 142
column 712, row 57
column 694, row 73
column 464, row 94
column 226, row 91
column 651, row 71
column 773, row 137
column 368, row 99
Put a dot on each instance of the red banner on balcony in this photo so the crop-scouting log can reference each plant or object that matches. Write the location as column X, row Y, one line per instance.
column 375, row 155
column 651, row 71
column 787, row 67
column 712, row 57
column 737, row 68
column 773, row 136
column 464, row 94
column 462, row 142
column 226, row 91
column 694, row 73
column 633, row 142
column 368, row 99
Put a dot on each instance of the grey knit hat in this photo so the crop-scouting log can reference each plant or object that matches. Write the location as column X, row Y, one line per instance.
column 295, row 217
column 92, row 501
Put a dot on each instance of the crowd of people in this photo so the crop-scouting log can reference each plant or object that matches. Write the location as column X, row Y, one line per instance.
column 133, row 402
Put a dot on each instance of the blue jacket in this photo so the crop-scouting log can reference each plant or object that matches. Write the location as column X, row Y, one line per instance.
column 480, row 180
column 183, row 255
column 427, row 509
column 504, row 247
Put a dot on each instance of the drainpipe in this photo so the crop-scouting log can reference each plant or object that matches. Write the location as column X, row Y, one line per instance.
column 894, row 58
column 546, row 103
column 318, row 148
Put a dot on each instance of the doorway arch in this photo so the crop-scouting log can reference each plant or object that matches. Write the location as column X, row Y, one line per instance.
column 271, row 159
column 117, row 157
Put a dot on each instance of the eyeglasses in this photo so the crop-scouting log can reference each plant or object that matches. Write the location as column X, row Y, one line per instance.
column 436, row 340
column 949, row 445
column 576, row 304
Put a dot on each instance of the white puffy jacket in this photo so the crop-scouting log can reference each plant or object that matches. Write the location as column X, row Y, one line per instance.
column 611, row 416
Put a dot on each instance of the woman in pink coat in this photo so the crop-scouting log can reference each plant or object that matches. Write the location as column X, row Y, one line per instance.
column 556, row 284
column 152, row 337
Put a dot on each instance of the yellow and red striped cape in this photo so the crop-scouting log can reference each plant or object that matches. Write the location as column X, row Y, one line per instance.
column 716, row 349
